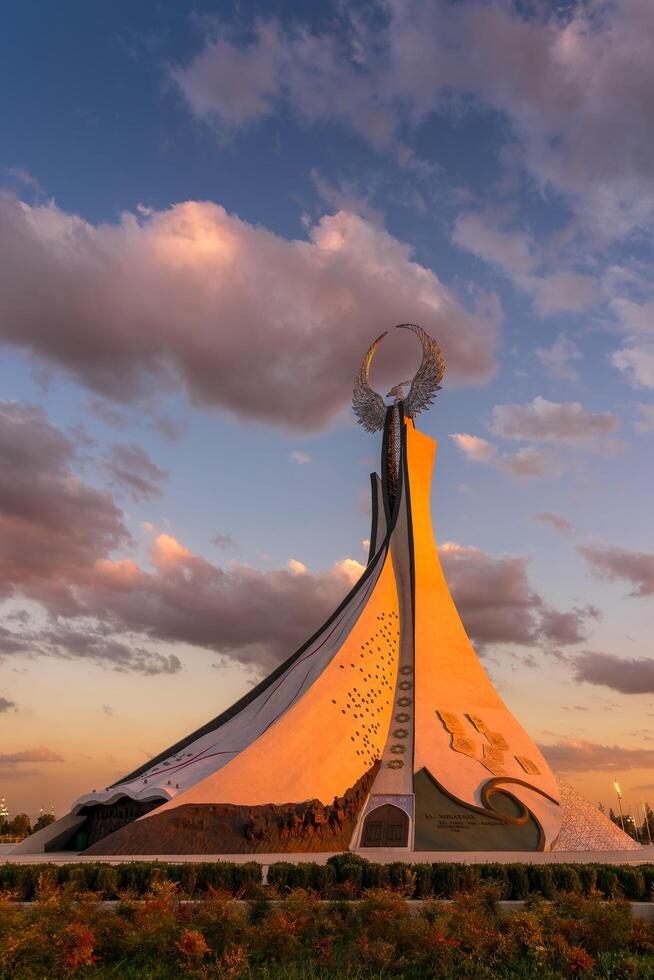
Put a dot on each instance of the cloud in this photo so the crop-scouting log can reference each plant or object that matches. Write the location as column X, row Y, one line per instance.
column 511, row 251
column 255, row 617
column 476, row 449
column 26, row 179
column 89, row 640
column 40, row 754
column 557, row 359
column 52, row 525
column 627, row 675
column 554, row 520
column 515, row 253
column 526, row 462
column 7, row 705
column 301, row 458
column 223, row 541
column 646, row 422
column 575, row 88
column 562, row 423
column 621, row 564
column 578, row 755
column 530, row 462
column 636, row 361
column 107, row 413
column 131, row 469
column 498, row 604
column 246, row 321
column 105, row 608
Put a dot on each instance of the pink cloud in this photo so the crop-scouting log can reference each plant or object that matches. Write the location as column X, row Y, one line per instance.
column 557, row 360
column 565, row 423
column 131, row 469
column 554, row 520
column 579, row 755
column 245, row 320
column 621, row 564
column 64, row 553
column 41, row 754
column 498, row 603
column 476, row 449
column 528, row 462
column 575, row 87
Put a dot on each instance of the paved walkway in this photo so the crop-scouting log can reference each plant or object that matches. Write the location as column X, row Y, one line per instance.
column 379, row 854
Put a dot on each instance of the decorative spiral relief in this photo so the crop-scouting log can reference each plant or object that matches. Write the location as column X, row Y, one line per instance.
column 405, row 685
column 402, row 717
column 398, row 749
column 406, row 670
column 404, row 702
column 395, row 764
column 400, row 733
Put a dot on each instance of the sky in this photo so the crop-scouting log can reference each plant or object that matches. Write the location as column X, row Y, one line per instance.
column 207, row 212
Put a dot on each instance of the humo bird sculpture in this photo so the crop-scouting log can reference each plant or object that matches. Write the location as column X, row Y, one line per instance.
column 373, row 413
column 369, row 406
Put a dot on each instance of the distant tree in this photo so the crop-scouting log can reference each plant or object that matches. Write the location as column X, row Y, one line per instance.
column 20, row 825
column 44, row 821
column 601, row 808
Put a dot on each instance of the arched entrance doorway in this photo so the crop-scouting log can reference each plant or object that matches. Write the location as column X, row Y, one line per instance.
column 387, row 826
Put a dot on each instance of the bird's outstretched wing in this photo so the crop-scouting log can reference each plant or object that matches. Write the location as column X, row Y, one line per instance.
column 427, row 379
column 369, row 407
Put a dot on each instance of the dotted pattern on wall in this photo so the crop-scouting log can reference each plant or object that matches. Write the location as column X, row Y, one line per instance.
column 371, row 669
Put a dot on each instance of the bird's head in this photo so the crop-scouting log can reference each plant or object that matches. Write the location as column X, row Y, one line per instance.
column 397, row 392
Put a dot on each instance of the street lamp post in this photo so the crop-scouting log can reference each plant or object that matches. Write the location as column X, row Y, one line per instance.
column 619, row 793
column 646, row 820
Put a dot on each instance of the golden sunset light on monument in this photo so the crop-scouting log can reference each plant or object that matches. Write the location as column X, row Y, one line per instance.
column 326, row 467
column 384, row 720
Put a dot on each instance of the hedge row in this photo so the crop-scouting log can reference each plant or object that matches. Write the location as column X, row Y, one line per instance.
column 346, row 872
column 344, row 876
column 135, row 877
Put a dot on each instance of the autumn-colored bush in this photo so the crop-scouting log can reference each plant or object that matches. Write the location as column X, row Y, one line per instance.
column 297, row 936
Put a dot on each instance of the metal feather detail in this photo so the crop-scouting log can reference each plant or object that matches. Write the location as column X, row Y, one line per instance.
column 427, row 379
column 369, row 407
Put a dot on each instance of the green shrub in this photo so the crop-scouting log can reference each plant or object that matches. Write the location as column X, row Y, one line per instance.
column 424, row 888
column 566, row 879
column 313, row 877
column 518, row 877
column 375, row 875
column 608, row 882
column 349, row 869
column 588, row 878
column 107, row 881
column 496, row 876
column 632, row 883
column 541, row 880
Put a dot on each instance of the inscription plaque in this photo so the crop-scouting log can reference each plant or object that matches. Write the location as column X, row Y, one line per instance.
column 493, row 754
column 452, row 722
column 528, row 766
column 479, row 723
column 497, row 740
column 464, row 745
